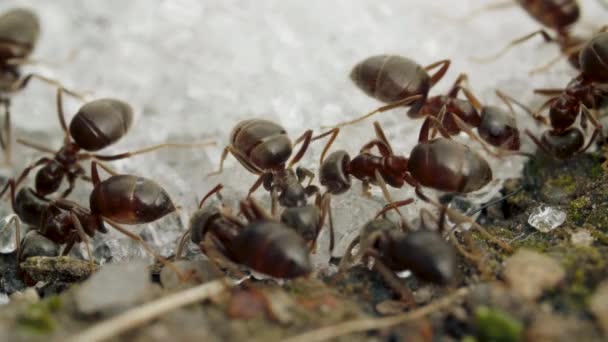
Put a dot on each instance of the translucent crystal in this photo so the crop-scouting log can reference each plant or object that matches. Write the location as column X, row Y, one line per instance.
column 546, row 218
column 8, row 233
column 4, row 299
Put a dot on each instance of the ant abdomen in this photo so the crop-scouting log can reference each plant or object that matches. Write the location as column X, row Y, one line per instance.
column 146, row 201
column 101, row 123
column 499, row 129
column 30, row 207
column 446, row 165
column 36, row 244
column 19, row 28
column 564, row 144
column 425, row 253
column 263, row 143
column 390, row 78
column 273, row 249
column 200, row 222
column 594, row 58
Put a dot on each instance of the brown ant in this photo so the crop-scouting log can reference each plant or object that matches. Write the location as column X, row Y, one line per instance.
column 582, row 94
column 19, row 32
column 119, row 199
column 423, row 252
column 262, row 244
column 556, row 15
column 96, row 125
column 441, row 164
column 264, row 148
column 381, row 77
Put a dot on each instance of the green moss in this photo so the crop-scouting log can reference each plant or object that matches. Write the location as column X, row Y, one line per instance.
column 596, row 171
column 38, row 317
column 496, row 326
column 577, row 209
column 598, row 218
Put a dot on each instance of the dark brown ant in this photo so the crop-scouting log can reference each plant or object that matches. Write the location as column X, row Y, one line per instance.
column 556, row 15
column 19, row 32
column 423, row 252
column 119, row 199
column 582, row 94
column 264, row 148
column 96, row 125
column 262, row 244
column 382, row 76
column 442, row 164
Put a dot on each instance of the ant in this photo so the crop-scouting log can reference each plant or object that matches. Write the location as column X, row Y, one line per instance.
column 119, row 199
column 262, row 244
column 424, row 252
column 380, row 76
column 264, row 148
column 556, row 15
column 441, row 164
column 96, row 125
column 19, row 32
column 582, row 94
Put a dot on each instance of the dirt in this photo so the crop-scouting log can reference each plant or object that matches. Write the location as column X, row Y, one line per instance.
column 561, row 310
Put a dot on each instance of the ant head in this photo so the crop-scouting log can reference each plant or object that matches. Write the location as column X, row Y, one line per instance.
column 334, row 172
column 499, row 128
column 564, row 111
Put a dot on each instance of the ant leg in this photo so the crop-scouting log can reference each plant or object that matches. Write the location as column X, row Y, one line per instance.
column 23, row 82
column 466, row 129
column 256, row 185
column 460, row 248
column 513, row 43
column 598, row 126
column 334, row 134
column 217, row 257
column 382, row 137
column 15, row 220
column 24, row 174
column 274, row 202
column 182, row 244
column 424, row 130
column 395, row 205
column 437, row 76
column 508, row 100
column 392, row 280
column 346, row 258
column 215, row 189
column 146, row 246
column 387, row 195
column 6, row 140
column 60, row 113
column 384, row 108
column 472, row 98
column 538, row 143
column 152, row 148
column 384, row 150
column 68, row 247
column 565, row 54
column 549, row 91
column 456, row 87
column 35, row 146
column 302, row 173
column 306, row 138
column 366, row 189
column 84, row 238
column 324, row 203
column 222, row 159
column 459, row 218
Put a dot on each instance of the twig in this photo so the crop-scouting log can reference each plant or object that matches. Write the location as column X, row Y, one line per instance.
column 377, row 323
column 140, row 315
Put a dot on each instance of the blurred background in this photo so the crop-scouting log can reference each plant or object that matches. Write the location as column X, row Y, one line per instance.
column 192, row 69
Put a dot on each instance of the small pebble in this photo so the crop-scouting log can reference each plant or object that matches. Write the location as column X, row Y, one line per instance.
column 581, row 238
column 530, row 273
